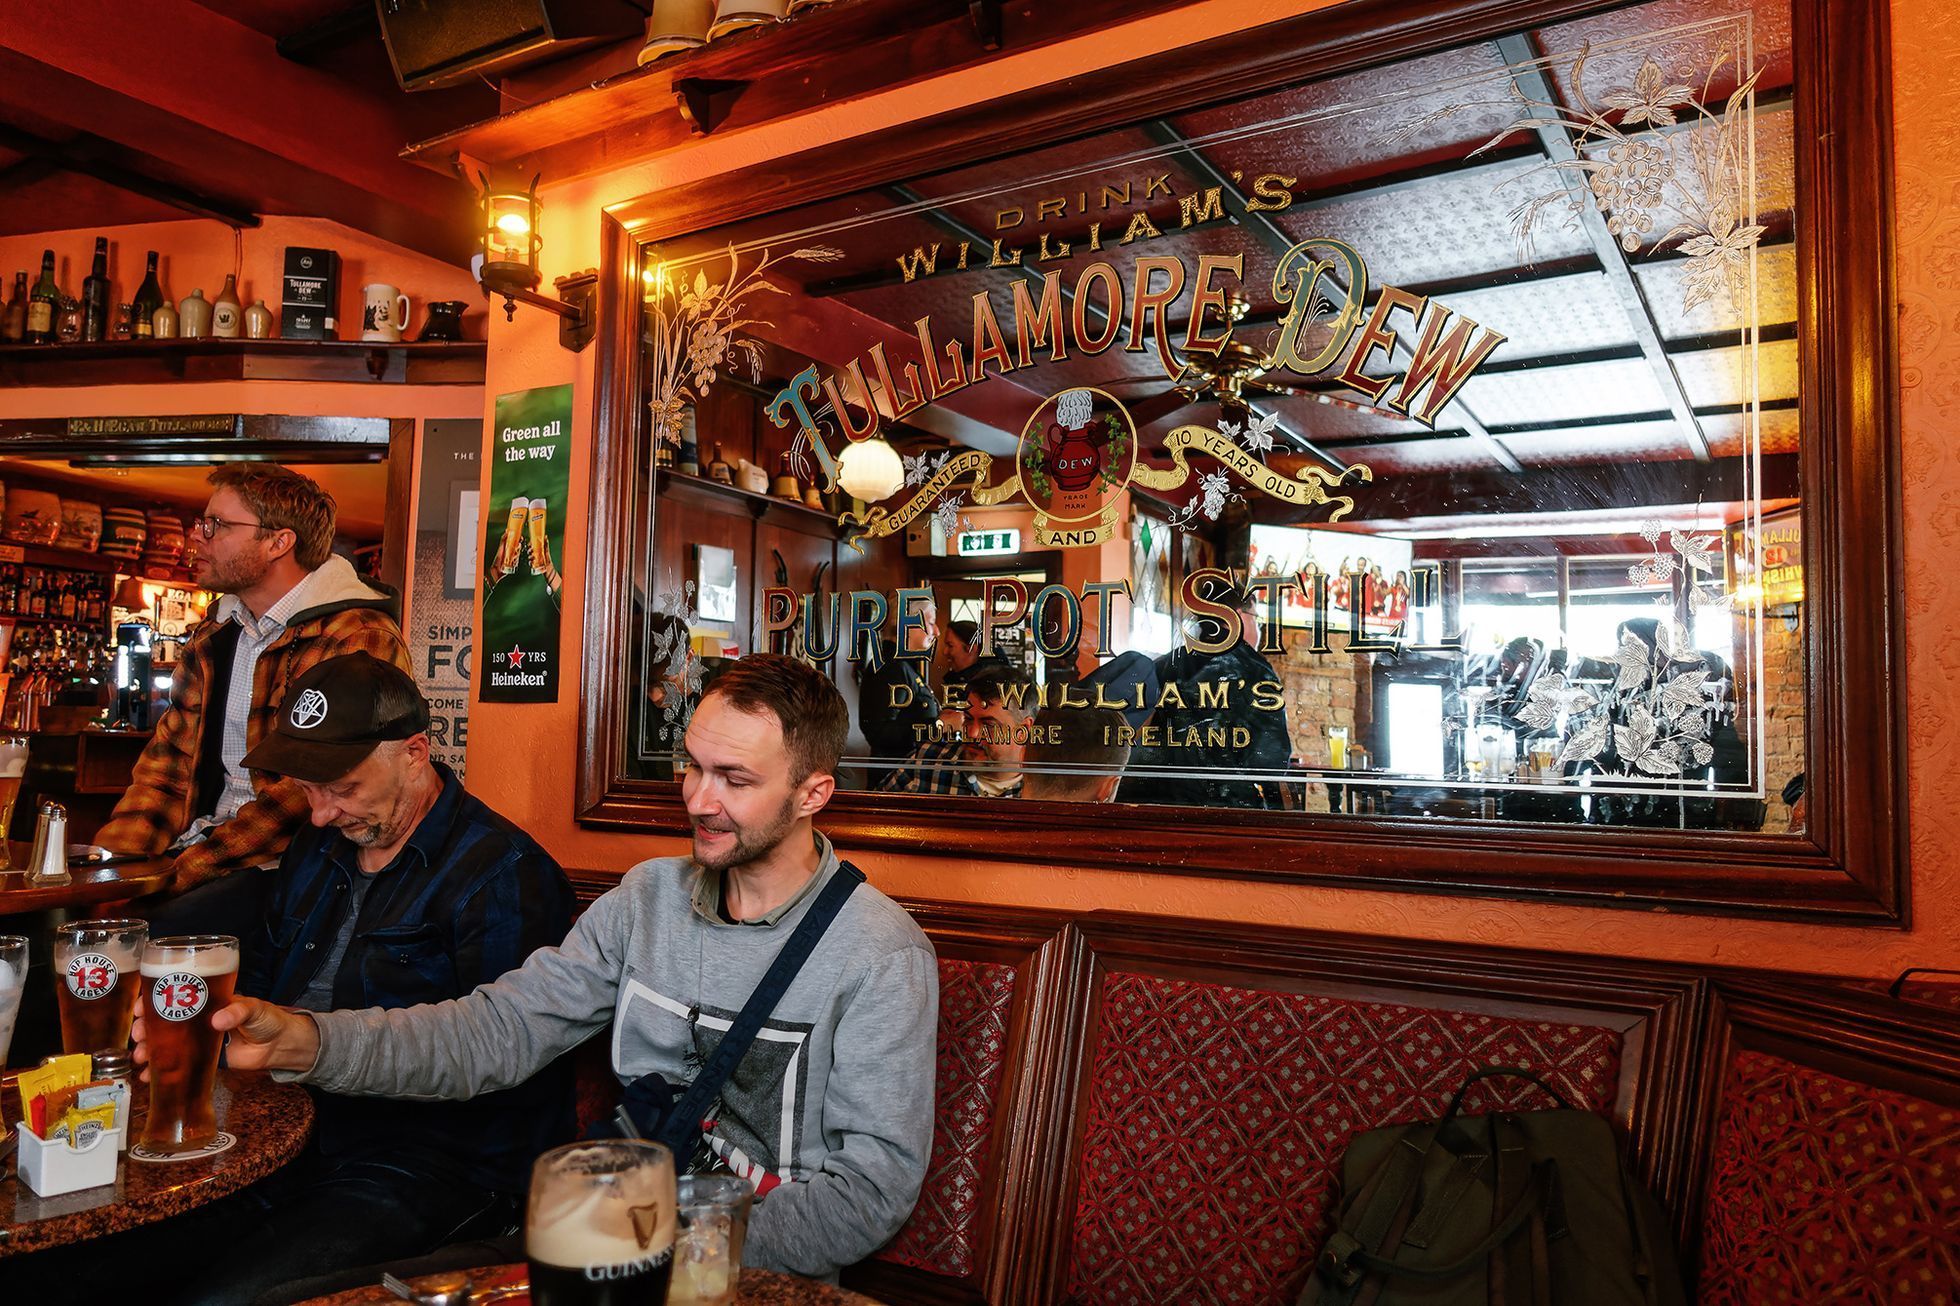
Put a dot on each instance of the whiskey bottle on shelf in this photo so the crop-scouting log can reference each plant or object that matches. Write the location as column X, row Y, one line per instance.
column 13, row 322
column 149, row 298
column 43, row 302
column 95, row 294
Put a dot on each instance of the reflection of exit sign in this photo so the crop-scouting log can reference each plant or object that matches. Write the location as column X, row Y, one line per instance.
column 984, row 542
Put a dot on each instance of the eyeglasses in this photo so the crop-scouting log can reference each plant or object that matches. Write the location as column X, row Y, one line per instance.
column 208, row 526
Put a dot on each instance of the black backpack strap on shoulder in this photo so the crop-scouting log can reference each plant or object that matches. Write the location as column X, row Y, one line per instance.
column 685, row 1119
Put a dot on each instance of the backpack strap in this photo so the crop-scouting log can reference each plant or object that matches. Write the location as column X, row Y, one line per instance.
column 685, row 1119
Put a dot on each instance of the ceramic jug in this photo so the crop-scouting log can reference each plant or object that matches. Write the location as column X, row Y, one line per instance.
column 194, row 316
column 259, row 322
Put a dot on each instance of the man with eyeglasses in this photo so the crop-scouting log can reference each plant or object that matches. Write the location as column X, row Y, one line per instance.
column 288, row 604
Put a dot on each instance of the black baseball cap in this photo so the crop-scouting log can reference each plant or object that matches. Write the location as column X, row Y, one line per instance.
column 335, row 713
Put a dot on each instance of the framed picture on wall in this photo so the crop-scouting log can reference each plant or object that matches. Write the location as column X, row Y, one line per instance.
column 714, row 582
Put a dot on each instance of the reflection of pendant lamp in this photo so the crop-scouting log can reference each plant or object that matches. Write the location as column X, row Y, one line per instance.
column 870, row 470
column 130, row 596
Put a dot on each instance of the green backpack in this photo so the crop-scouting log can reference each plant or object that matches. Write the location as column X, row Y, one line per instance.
column 1528, row 1209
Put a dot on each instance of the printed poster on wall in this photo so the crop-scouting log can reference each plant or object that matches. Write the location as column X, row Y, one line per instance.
column 443, row 608
column 523, row 543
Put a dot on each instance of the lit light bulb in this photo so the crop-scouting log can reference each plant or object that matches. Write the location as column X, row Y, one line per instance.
column 870, row 470
column 515, row 224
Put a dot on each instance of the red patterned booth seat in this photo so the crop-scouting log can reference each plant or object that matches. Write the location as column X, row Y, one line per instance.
column 1217, row 1116
column 975, row 1005
column 1827, row 1190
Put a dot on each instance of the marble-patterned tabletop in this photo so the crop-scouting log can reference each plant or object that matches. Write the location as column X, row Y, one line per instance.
column 270, row 1122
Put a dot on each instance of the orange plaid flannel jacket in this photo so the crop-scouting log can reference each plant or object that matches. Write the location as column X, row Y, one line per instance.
column 157, row 807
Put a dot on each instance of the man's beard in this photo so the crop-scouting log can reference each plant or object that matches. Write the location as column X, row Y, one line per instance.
column 750, row 844
column 232, row 577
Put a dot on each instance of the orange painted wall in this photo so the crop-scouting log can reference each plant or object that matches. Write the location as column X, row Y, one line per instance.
column 197, row 254
column 535, row 784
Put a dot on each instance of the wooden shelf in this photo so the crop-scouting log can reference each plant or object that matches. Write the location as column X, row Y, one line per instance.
column 716, row 497
column 825, row 56
column 150, row 362
column 35, row 555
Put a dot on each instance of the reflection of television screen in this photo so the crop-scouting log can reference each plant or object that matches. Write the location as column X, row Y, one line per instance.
column 1288, row 550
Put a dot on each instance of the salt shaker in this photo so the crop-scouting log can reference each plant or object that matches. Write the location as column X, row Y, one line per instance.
column 49, row 862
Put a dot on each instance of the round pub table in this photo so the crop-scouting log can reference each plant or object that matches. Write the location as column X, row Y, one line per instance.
column 757, row 1288
column 270, row 1122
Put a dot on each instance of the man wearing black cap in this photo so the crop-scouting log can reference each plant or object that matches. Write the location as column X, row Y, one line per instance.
column 404, row 890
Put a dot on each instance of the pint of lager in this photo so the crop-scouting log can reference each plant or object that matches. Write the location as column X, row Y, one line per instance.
column 511, row 550
column 97, row 965
column 186, row 981
column 540, row 542
column 600, row 1227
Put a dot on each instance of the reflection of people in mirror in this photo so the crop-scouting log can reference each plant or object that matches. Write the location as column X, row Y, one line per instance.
column 1088, row 742
column 1233, row 720
column 895, row 695
column 984, row 760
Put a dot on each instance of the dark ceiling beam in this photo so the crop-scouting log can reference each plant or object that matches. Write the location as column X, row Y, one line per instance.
column 27, row 171
column 1519, row 52
column 84, row 154
column 324, row 35
column 1412, row 496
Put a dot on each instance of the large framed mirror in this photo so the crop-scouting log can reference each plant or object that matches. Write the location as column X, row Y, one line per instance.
column 1447, row 450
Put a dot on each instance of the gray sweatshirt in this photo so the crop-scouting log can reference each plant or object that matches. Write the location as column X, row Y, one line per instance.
column 830, row 1112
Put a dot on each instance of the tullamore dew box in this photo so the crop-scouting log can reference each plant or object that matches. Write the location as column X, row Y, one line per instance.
column 312, row 290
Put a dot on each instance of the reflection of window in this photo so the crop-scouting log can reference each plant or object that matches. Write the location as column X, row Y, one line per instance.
column 1504, row 599
column 1415, row 728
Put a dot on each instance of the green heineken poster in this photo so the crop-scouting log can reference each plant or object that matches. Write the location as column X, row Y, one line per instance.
column 523, row 542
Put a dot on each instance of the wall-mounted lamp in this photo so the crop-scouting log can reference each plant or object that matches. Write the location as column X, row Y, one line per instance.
column 508, row 265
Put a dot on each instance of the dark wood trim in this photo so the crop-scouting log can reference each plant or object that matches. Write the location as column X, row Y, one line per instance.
column 609, row 551
column 1019, row 1170
column 397, row 501
column 1868, row 1038
column 161, row 362
column 1659, row 1008
column 1852, row 866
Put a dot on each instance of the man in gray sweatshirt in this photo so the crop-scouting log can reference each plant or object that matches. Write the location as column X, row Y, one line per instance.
column 829, row 1113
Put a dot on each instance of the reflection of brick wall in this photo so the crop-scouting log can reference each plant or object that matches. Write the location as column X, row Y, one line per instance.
column 1783, row 686
column 1331, row 689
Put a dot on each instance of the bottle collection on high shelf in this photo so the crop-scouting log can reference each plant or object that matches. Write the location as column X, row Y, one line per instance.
column 45, row 314
column 42, row 313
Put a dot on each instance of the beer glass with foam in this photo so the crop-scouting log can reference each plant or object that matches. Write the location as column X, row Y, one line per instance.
column 540, row 542
column 13, row 767
column 599, row 1230
column 512, row 550
column 98, row 964
column 13, row 975
column 187, row 979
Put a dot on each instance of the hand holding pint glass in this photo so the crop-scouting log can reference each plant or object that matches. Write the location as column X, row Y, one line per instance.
column 510, row 551
column 186, row 981
column 599, row 1230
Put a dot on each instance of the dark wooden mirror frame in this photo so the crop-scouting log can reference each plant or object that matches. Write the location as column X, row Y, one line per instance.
column 1850, row 867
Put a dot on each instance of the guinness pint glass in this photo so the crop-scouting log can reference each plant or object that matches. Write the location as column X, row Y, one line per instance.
column 186, row 981
column 97, row 965
column 600, row 1227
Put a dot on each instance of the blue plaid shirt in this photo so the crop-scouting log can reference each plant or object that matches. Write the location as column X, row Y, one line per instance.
column 938, row 768
column 468, row 897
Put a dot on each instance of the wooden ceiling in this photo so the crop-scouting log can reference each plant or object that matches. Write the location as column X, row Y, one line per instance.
column 115, row 112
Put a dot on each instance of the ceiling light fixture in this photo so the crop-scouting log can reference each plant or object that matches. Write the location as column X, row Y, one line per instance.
column 870, row 470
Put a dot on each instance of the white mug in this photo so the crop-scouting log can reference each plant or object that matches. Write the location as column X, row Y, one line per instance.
column 676, row 25
column 734, row 15
column 384, row 312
